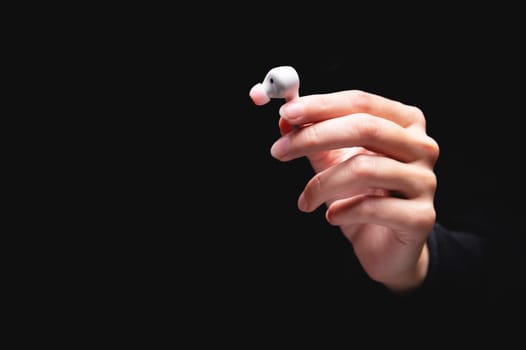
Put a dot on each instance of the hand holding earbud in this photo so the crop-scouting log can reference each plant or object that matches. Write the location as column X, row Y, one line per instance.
column 373, row 163
column 280, row 82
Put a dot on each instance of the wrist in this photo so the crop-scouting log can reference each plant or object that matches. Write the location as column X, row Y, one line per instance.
column 413, row 278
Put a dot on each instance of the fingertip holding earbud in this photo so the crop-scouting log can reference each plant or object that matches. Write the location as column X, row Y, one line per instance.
column 280, row 82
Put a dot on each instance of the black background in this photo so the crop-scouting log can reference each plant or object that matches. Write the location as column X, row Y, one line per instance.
column 209, row 221
column 260, row 255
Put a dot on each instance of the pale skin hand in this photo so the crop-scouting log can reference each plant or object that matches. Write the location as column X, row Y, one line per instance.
column 373, row 163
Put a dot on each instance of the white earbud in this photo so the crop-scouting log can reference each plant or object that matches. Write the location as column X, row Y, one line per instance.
column 280, row 82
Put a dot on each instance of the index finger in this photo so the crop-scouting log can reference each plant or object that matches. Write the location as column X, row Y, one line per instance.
column 319, row 107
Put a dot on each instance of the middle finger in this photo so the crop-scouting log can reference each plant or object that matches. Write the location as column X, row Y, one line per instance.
column 373, row 133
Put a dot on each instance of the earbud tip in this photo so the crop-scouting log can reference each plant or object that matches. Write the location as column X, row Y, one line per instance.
column 258, row 95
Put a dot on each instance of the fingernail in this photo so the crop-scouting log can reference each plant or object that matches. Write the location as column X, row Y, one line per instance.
column 280, row 148
column 303, row 205
column 292, row 110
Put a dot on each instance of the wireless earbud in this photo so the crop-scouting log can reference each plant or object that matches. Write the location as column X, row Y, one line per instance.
column 280, row 82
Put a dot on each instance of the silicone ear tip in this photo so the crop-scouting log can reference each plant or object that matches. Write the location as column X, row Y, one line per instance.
column 258, row 95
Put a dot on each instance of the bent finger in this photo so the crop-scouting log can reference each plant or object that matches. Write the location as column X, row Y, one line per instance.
column 358, row 130
column 319, row 107
column 363, row 172
column 401, row 215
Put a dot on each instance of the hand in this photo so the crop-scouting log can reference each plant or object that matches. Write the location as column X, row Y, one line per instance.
column 374, row 170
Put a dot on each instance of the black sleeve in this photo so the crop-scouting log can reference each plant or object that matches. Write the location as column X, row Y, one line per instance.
column 470, row 272
column 457, row 262
column 457, row 273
